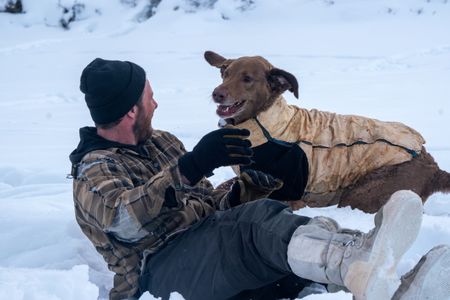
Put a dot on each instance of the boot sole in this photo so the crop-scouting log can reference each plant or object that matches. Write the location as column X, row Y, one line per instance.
column 400, row 225
column 431, row 280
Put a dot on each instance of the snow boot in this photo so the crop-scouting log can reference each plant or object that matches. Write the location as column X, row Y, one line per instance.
column 429, row 279
column 365, row 263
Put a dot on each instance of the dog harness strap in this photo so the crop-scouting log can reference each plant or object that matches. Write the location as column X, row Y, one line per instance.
column 269, row 137
column 264, row 130
column 272, row 139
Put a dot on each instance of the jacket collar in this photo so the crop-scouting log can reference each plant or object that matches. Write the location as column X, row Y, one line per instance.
column 275, row 120
column 91, row 141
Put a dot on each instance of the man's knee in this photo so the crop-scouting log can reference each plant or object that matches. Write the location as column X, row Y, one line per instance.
column 268, row 212
column 268, row 206
column 261, row 209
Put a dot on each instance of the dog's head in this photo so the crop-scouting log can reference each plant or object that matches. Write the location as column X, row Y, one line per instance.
column 250, row 85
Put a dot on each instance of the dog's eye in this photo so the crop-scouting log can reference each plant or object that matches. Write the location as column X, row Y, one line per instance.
column 247, row 78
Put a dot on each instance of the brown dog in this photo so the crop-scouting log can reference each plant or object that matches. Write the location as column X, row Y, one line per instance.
column 347, row 160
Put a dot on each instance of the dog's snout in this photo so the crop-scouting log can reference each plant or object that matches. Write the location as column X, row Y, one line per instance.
column 219, row 94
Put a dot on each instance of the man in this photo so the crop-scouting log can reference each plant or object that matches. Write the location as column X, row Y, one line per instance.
column 145, row 204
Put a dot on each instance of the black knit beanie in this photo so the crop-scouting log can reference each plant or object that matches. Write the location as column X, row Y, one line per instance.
column 111, row 88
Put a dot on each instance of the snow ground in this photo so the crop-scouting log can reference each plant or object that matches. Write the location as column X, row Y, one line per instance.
column 380, row 59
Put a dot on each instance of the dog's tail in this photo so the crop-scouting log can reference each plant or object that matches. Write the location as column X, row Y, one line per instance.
column 442, row 180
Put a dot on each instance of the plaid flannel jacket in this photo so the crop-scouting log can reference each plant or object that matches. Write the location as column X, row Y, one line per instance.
column 148, row 187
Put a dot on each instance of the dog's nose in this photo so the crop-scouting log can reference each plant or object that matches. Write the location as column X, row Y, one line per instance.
column 219, row 95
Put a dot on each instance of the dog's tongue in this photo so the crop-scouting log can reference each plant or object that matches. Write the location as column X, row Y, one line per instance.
column 228, row 110
column 225, row 111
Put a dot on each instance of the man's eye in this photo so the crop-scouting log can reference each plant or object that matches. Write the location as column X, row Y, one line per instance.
column 247, row 78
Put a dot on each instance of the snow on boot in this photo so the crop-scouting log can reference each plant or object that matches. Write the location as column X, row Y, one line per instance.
column 429, row 279
column 364, row 263
column 325, row 223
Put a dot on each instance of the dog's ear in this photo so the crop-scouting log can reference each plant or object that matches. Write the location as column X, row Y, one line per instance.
column 280, row 81
column 214, row 59
column 217, row 60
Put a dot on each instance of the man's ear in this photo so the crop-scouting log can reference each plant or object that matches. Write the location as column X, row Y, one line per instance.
column 217, row 60
column 280, row 81
column 132, row 112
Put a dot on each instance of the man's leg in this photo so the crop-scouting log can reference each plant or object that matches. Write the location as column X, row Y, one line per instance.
column 364, row 263
column 246, row 248
column 290, row 286
column 429, row 279
column 226, row 253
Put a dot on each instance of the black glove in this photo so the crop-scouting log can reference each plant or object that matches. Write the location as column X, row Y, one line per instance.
column 286, row 161
column 222, row 147
column 262, row 181
column 252, row 185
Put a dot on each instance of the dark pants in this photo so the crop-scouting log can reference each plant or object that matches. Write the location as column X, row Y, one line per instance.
column 226, row 254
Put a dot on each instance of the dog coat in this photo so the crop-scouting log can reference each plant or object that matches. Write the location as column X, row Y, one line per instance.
column 340, row 148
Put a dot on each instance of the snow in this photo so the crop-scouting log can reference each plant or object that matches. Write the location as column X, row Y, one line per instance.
column 388, row 60
column 38, row 284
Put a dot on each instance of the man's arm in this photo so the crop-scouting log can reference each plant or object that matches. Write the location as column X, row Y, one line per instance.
column 250, row 185
column 105, row 191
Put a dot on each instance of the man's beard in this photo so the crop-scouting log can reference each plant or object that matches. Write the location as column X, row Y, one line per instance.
column 142, row 129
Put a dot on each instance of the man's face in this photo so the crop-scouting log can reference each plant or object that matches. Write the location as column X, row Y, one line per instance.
column 143, row 126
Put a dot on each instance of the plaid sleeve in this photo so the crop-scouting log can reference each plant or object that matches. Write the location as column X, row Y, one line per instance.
column 103, row 184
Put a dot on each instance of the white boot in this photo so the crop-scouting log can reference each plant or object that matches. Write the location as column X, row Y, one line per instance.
column 364, row 263
column 429, row 279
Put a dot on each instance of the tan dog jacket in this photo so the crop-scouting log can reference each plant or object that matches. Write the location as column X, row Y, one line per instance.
column 340, row 148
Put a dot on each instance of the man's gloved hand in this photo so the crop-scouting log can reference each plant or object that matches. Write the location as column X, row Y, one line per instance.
column 286, row 161
column 252, row 185
column 222, row 147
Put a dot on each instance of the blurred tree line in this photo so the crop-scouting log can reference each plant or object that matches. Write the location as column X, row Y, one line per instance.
column 73, row 10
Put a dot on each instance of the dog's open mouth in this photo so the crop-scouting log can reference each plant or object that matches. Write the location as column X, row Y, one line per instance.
column 225, row 111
